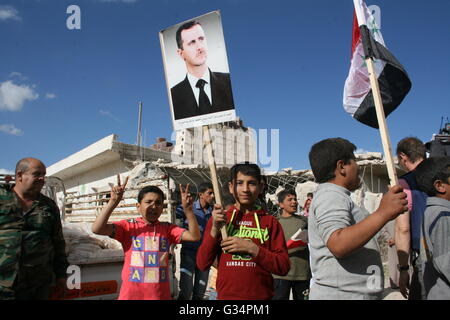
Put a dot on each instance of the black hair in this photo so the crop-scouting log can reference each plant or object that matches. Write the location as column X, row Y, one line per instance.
column 412, row 147
column 431, row 170
column 283, row 194
column 152, row 189
column 310, row 194
column 184, row 26
column 247, row 169
column 325, row 154
column 204, row 186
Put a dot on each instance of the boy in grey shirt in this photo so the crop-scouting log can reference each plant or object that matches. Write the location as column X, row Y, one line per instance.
column 433, row 178
column 345, row 258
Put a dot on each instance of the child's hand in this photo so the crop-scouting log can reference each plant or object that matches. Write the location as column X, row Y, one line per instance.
column 393, row 203
column 219, row 219
column 186, row 198
column 117, row 191
column 239, row 245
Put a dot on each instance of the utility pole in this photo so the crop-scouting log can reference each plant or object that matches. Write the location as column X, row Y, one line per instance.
column 138, row 141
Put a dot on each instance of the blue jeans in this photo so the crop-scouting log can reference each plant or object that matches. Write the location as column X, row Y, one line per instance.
column 193, row 282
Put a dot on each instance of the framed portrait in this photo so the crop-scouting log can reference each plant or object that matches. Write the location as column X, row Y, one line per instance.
column 197, row 73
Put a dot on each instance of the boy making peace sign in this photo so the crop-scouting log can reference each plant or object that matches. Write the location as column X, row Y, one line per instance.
column 146, row 241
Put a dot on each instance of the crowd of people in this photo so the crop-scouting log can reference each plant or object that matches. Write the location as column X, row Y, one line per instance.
column 340, row 259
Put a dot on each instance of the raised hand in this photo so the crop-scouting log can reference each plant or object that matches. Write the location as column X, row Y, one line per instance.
column 186, row 198
column 193, row 233
column 101, row 225
column 219, row 219
column 117, row 191
column 393, row 203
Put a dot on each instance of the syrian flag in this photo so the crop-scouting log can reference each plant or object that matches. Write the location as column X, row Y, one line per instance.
column 393, row 80
column 298, row 239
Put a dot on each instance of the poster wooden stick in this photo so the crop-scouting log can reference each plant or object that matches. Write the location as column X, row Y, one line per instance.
column 213, row 170
column 385, row 139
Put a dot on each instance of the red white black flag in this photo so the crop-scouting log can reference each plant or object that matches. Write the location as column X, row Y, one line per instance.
column 393, row 80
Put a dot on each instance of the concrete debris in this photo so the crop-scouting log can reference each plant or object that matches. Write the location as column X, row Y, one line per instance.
column 369, row 156
column 371, row 162
column 143, row 172
column 305, row 174
column 179, row 166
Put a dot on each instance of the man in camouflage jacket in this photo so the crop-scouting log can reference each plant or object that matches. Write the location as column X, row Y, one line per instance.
column 32, row 247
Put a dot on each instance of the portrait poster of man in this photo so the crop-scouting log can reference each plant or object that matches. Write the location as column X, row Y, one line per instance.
column 197, row 73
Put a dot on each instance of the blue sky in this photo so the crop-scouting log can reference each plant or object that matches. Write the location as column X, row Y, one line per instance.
column 61, row 90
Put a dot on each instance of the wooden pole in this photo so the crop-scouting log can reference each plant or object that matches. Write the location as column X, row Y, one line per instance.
column 385, row 139
column 213, row 170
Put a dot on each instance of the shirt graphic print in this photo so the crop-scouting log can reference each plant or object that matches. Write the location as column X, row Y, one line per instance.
column 149, row 256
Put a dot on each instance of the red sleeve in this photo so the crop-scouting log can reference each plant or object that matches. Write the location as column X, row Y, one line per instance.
column 209, row 249
column 121, row 229
column 175, row 233
column 275, row 258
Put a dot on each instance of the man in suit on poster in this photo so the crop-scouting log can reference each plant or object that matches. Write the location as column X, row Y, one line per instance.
column 202, row 91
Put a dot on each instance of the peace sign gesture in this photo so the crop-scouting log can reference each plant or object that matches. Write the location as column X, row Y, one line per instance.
column 186, row 198
column 101, row 225
column 117, row 191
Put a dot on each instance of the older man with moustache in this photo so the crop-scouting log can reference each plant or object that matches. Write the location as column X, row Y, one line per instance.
column 32, row 246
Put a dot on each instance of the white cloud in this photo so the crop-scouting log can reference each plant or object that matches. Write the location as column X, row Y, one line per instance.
column 18, row 75
column 50, row 96
column 107, row 113
column 6, row 171
column 13, row 96
column 10, row 129
column 9, row 13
